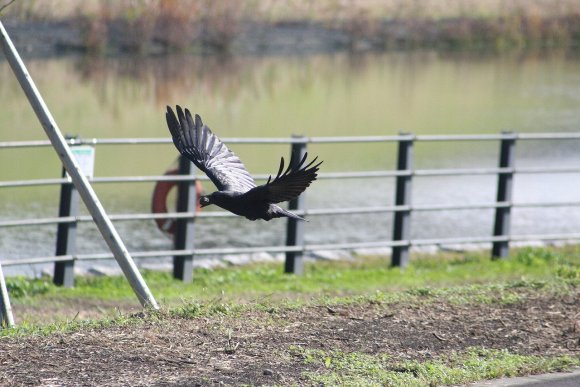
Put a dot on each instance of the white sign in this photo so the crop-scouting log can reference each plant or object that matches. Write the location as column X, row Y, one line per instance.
column 85, row 155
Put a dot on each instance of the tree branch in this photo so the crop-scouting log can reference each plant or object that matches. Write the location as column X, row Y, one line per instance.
column 6, row 5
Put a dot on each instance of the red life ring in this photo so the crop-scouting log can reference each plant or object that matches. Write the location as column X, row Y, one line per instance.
column 159, row 202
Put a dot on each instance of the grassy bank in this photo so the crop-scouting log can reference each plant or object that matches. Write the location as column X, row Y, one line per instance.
column 447, row 320
column 474, row 365
column 217, row 25
column 266, row 283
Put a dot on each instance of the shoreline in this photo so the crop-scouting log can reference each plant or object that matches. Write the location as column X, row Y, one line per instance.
column 47, row 38
column 109, row 267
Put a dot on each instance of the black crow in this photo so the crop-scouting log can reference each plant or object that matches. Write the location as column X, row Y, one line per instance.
column 237, row 190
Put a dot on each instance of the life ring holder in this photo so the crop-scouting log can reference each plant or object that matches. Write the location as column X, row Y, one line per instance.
column 159, row 201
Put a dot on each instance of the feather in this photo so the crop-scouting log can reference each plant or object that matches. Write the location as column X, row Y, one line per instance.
column 196, row 141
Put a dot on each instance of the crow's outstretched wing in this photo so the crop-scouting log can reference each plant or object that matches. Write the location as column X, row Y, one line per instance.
column 196, row 141
column 287, row 184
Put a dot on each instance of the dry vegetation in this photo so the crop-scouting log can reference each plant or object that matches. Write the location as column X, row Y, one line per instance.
column 283, row 10
column 180, row 25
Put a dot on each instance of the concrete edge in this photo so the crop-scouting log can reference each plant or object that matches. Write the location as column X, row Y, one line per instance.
column 573, row 374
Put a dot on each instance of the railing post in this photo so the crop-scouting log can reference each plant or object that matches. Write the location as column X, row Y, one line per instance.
column 502, row 222
column 66, row 234
column 184, row 233
column 295, row 228
column 402, row 219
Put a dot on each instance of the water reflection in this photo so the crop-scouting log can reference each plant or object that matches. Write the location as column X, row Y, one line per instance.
column 165, row 78
column 340, row 94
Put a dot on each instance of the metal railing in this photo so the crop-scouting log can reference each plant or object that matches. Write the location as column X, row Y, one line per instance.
column 295, row 247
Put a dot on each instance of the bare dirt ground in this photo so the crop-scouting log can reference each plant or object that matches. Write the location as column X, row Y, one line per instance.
column 253, row 347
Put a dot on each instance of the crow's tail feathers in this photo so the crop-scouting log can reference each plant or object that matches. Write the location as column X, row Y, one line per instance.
column 280, row 213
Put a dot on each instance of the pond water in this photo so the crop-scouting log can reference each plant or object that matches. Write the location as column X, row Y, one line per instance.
column 318, row 95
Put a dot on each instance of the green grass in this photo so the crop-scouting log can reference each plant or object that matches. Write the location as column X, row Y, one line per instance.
column 188, row 308
column 427, row 275
column 67, row 326
column 358, row 369
column 42, row 308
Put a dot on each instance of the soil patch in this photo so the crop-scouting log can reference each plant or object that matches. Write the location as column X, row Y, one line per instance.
column 253, row 347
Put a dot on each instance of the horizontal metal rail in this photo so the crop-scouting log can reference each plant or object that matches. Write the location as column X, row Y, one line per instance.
column 308, row 212
column 549, row 136
column 312, row 140
column 324, row 175
column 305, row 248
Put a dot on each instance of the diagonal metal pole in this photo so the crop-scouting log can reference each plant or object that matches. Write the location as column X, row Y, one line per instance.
column 79, row 180
column 6, row 318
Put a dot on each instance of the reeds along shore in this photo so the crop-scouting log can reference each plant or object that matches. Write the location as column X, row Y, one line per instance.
column 173, row 25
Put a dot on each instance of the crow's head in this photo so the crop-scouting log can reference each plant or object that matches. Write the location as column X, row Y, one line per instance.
column 205, row 201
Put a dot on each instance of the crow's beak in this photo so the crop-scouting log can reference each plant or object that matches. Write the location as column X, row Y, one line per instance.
column 204, row 202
